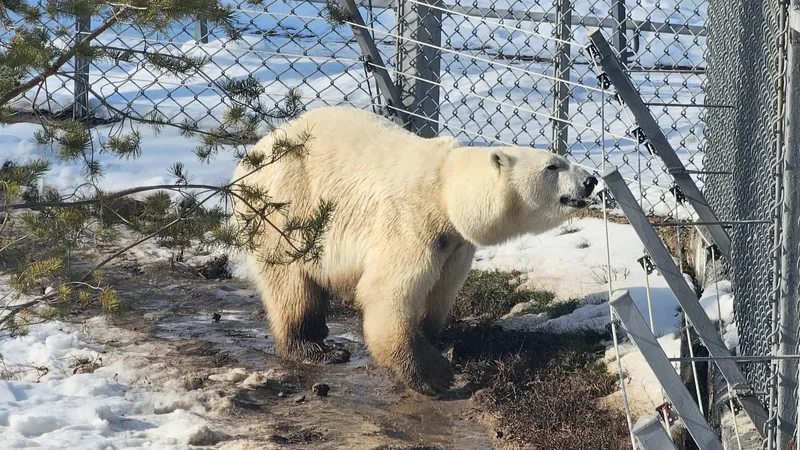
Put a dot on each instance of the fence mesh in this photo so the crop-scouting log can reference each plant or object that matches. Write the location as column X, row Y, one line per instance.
column 743, row 138
column 493, row 64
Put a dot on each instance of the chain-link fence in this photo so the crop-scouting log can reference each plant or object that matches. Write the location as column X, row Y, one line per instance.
column 510, row 72
column 751, row 138
column 513, row 72
column 743, row 136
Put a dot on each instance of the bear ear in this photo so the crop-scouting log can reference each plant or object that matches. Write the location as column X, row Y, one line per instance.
column 499, row 159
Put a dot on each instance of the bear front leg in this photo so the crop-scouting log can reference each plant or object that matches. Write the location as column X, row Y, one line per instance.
column 393, row 307
column 296, row 310
column 440, row 301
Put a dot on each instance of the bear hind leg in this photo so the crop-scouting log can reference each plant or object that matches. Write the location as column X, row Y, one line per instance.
column 296, row 309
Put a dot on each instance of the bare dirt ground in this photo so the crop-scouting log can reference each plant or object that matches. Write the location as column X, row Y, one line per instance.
column 206, row 336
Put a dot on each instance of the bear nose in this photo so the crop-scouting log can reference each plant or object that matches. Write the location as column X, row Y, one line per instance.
column 589, row 184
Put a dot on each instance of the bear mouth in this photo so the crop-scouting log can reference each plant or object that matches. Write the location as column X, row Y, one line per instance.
column 573, row 202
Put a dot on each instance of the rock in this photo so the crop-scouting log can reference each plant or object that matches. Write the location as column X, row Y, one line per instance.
column 153, row 316
column 281, row 376
column 281, row 394
column 203, row 436
column 321, row 389
column 299, row 399
column 256, row 380
column 233, row 376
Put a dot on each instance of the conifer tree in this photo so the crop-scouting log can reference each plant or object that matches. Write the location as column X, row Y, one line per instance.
column 41, row 229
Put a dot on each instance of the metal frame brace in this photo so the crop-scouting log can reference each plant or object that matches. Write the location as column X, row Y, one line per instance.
column 647, row 434
column 686, row 297
column 657, row 142
column 372, row 59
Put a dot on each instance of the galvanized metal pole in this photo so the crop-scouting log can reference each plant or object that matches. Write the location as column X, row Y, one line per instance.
column 562, row 61
column 201, row 31
column 420, row 23
column 788, row 328
column 620, row 14
column 625, row 309
column 80, row 106
column 651, row 435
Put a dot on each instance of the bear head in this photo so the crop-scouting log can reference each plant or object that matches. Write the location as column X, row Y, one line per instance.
column 515, row 191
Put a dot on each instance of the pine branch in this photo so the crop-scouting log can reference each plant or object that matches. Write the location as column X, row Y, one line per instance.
column 115, row 195
column 63, row 59
column 118, row 253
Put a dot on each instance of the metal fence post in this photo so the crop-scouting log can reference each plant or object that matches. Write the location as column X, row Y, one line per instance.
column 790, row 248
column 417, row 22
column 620, row 40
column 80, row 106
column 201, row 31
column 561, row 69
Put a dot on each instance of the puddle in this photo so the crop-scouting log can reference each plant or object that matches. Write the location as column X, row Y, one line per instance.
column 365, row 407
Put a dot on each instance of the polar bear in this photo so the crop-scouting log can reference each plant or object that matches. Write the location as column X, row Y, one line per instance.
column 408, row 215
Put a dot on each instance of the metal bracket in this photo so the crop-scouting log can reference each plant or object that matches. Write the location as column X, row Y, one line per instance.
column 608, row 200
column 647, row 264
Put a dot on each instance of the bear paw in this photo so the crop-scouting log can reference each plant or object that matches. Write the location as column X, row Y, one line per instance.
column 314, row 353
column 430, row 373
column 336, row 356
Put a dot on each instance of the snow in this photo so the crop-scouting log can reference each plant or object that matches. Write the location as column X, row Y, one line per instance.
column 113, row 407
column 571, row 261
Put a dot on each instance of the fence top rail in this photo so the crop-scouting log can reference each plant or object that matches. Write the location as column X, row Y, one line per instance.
column 535, row 16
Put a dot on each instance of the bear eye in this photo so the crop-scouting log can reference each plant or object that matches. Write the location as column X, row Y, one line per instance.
column 552, row 167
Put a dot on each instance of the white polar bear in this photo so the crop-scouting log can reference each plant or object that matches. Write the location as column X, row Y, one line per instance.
column 408, row 215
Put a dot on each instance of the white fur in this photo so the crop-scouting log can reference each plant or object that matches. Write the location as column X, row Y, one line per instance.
column 408, row 213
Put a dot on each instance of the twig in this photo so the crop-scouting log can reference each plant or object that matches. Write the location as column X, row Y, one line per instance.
column 14, row 241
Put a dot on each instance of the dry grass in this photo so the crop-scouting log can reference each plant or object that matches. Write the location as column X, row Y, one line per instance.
column 544, row 389
column 490, row 294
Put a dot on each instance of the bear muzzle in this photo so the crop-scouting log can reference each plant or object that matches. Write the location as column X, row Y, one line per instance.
column 588, row 187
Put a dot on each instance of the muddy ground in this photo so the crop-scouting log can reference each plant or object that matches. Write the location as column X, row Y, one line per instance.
column 194, row 328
